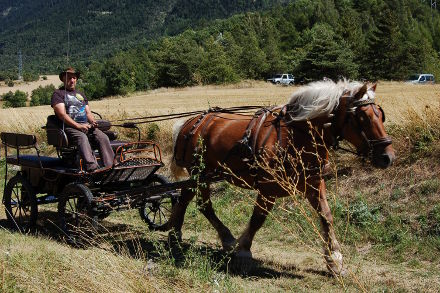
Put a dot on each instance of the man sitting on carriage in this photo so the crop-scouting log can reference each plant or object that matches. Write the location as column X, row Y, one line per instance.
column 71, row 107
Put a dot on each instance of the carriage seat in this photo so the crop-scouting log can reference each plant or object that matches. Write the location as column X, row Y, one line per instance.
column 21, row 141
column 57, row 137
column 34, row 161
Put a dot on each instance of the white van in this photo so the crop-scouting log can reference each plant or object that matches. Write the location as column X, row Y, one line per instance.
column 422, row 78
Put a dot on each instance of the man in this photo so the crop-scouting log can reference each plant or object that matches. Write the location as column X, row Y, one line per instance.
column 71, row 107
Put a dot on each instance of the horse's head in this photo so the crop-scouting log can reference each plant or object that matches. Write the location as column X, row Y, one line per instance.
column 360, row 122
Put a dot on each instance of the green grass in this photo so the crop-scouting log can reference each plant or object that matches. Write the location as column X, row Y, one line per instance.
column 388, row 222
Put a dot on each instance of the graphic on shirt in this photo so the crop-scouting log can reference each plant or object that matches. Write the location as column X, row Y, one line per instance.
column 79, row 97
column 76, row 107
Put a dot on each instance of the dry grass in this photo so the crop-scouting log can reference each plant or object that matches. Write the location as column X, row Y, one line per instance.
column 289, row 263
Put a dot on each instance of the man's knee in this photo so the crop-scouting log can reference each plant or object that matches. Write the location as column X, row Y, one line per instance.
column 81, row 139
column 101, row 137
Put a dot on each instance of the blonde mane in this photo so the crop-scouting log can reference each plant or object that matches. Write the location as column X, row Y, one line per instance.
column 319, row 98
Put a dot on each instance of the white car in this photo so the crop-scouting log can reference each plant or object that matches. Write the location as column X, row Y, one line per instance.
column 422, row 78
column 285, row 78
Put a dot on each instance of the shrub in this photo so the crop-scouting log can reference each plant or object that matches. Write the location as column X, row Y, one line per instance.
column 31, row 76
column 10, row 82
column 152, row 131
column 42, row 95
column 14, row 100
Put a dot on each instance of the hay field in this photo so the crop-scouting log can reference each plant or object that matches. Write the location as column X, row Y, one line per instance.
column 28, row 87
column 395, row 97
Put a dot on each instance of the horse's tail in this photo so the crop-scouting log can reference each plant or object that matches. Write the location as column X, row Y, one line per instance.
column 176, row 171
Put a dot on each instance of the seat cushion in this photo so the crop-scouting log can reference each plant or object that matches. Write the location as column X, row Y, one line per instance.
column 34, row 162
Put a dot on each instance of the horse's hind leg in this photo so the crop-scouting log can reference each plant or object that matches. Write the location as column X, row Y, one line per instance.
column 205, row 207
column 261, row 209
column 333, row 256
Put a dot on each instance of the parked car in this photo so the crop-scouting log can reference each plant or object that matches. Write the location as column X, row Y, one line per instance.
column 284, row 78
column 422, row 78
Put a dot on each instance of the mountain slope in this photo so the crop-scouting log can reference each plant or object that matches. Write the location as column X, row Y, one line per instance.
column 47, row 32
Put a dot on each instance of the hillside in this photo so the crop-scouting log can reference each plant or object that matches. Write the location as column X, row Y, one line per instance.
column 213, row 42
column 40, row 28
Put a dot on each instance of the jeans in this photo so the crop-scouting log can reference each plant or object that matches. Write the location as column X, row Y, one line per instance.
column 81, row 140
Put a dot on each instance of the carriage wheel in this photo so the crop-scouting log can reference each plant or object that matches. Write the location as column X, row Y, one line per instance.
column 76, row 214
column 21, row 203
column 157, row 213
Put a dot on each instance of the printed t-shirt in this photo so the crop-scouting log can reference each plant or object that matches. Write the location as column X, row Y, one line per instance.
column 75, row 103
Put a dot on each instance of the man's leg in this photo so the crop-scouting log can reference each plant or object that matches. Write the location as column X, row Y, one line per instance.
column 105, row 149
column 80, row 139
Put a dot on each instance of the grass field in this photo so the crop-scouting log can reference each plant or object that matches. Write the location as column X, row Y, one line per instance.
column 391, row 242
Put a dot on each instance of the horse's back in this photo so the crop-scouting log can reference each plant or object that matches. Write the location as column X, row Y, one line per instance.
column 217, row 133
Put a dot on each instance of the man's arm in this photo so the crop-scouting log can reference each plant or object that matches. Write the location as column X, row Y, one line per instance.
column 60, row 111
column 90, row 116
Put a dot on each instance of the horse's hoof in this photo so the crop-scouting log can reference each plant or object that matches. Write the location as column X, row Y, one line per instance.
column 335, row 264
column 242, row 263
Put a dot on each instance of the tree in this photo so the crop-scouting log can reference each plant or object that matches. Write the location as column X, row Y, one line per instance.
column 176, row 60
column 92, row 81
column 119, row 74
column 214, row 66
column 327, row 56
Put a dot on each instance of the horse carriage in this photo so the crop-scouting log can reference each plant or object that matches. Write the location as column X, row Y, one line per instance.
column 83, row 198
column 266, row 151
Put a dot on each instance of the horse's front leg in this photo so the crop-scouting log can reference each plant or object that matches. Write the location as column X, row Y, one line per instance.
column 317, row 196
column 205, row 207
column 261, row 209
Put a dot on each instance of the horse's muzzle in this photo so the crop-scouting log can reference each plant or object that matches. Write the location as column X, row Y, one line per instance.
column 384, row 159
column 383, row 153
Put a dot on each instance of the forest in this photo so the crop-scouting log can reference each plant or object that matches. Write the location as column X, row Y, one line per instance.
column 367, row 40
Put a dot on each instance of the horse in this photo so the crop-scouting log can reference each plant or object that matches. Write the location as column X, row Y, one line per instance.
column 316, row 118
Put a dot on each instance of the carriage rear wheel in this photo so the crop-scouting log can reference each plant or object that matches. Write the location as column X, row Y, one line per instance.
column 156, row 213
column 76, row 214
column 20, row 203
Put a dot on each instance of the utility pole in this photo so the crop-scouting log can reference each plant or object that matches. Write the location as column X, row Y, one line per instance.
column 20, row 66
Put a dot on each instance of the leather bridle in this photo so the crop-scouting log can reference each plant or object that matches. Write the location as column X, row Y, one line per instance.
column 369, row 147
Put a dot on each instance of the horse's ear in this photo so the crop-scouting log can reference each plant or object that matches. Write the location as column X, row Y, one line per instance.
column 373, row 87
column 361, row 92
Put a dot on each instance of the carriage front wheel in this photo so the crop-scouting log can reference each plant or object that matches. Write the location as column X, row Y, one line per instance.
column 76, row 215
column 156, row 213
column 20, row 203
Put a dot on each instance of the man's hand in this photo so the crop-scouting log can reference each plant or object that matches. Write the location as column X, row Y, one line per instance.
column 84, row 127
column 93, row 122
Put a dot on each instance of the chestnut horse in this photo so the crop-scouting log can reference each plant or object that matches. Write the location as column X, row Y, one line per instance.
column 316, row 118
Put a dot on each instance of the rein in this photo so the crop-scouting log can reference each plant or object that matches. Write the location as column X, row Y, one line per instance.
column 131, row 122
